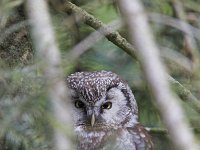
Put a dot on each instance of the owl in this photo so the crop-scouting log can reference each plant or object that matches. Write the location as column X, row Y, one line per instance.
column 105, row 113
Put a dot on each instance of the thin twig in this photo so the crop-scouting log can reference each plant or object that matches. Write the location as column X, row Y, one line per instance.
column 164, row 131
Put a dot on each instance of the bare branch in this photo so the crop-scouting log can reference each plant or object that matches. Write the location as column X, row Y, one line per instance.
column 49, row 55
column 148, row 55
column 111, row 35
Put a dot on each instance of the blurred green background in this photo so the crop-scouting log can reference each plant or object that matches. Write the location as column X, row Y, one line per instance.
column 24, row 109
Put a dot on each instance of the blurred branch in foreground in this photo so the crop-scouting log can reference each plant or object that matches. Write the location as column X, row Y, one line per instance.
column 148, row 55
column 123, row 44
column 49, row 55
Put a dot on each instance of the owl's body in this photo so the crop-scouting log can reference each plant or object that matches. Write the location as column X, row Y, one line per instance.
column 105, row 113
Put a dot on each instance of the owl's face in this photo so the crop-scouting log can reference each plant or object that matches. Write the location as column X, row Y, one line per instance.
column 101, row 99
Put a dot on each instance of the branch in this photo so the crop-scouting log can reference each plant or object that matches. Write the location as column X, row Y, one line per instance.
column 148, row 55
column 123, row 43
column 111, row 35
column 164, row 131
column 48, row 54
column 185, row 94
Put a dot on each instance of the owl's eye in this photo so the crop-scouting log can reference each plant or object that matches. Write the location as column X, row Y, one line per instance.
column 79, row 104
column 107, row 105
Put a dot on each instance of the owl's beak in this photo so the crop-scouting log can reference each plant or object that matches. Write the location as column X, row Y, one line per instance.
column 92, row 119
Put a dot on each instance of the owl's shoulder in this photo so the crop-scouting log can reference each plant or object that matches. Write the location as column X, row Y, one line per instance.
column 141, row 137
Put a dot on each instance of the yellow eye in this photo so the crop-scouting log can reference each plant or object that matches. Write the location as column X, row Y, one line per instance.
column 107, row 105
column 79, row 104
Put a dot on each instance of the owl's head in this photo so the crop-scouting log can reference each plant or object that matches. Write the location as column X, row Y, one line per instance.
column 101, row 99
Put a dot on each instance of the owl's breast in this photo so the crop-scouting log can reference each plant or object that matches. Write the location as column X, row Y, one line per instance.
column 90, row 139
column 118, row 139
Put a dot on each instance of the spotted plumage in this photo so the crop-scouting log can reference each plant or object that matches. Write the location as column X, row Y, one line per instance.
column 105, row 113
